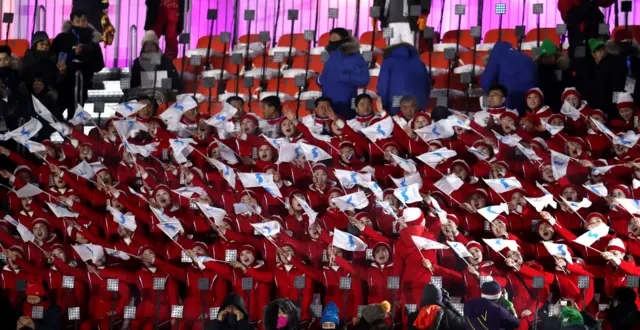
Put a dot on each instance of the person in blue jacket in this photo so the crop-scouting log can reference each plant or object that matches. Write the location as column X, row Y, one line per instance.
column 344, row 72
column 491, row 311
column 512, row 69
column 403, row 74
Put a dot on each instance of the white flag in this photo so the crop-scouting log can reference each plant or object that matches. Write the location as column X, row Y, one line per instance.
column 387, row 208
column 267, row 229
column 313, row 153
column 427, row 244
column 631, row 205
column 28, row 190
column 551, row 128
column 171, row 228
column 223, row 117
column 528, row 152
column 602, row 169
column 498, row 244
column 89, row 252
column 492, row 212
column 592, row 235
column 187, row 192
column 180, row 144
column 598, row 189
column 128, row 128
column 253, row 180
column 127, row 221
column 212, row 212
column 559, row 250
column 184, row 102
column 273, row 190
column 559, row 164
column 347, row 241
column 375, row 189
column 407, row 165
column 227, row 172
column 355, row 201
column 380, row 130
column 80, row 117
column 575, row 206
column 135, row 193
column 511, row 140
column 26, row 131
column 32, row 146
column 442, row 214
column 83, row 169
column 459, row 249
column 117, row 254
column 348, row 179
column 162, row 217
column 413, row 178
column 288, row 152
column 128, row 108
column 276, row 143
column 438, row 130
column 539, row 203
column 435, row 157
column 409, row 194
column 503, row 185
column 455, row 121
column 307, row 210
column 629, row 139
column 541, row 187
column 604, row 129
column 61, row 212
column 449, row 183
column 570, row 111
column 25, row 233
column 481, row 155
column 42, row 111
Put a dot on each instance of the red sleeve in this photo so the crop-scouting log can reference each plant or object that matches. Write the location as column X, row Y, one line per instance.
column 374, row 235
column 358, row 272
column 578, row 270
column 263, row 277
column 448, row 274
column 79, row 274
column 594, row 271
column 221, row 269
column 177, row 273
column 314, row 274
column 629, row 268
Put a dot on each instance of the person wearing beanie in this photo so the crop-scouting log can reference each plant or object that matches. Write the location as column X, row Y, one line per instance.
column 623, row 311
column 554, row 73
column 232, row 315
column 571, row 319
column 373, row 316
column 37, row 296
column 435, row 312
column 627, row 119
column 582, row 19
column 330, row 317
column 491, row 311
column 39, row 60
column 142, row 67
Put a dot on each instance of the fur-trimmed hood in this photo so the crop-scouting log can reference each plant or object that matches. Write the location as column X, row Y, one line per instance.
column 352, row 46
column 613, row 47
column 562, row 60
column 96, row 36
column 288, row 307
column 401, row 49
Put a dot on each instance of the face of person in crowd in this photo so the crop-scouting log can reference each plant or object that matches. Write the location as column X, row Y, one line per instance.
column 265, row 153
column 597, row 118
column 347, row 153
column 11, row 259
column 50, row 152
column 287, row 128
column 288, row 252
column 85, row 152
column 320, row 178
column 246, row 258
column 533, row 101
column 149, row 47
column 335, row 129
column 59, row 182
column 59, row 254
column 41, row 231
column 460, row 171
column 323, row 109
column 248, row 126
column 408, row 109
column 80, row 22
column 547, row 174
column 518, row 200
column 239, row 105
column 516, row 257
column 420, row 122
column 295, row 204
column 269, row 111
column 634, row 226
column 477, row 200
column 80, row 239
column 26, row 203
column 508, row 124
column 381, row 255
column 364, row 107
column 498, row 171
column 314, row 231
column 545, row 230
column 496, row 99
column 33, row 300
column 594, row 222
column 192, row 114
column 620, row 149
column 617, row 193
column 334, row 37
column 617, row 254
column 199, row 250
column 570, row 194
column 147, row 111
column 43, row 46
column 331, row 197
column 556, row 122
column 574, row 149
column 366, row 221
column 485, row 149
column 5, row 60
column 598, row 54
column 248, row 199
column 476, row 256
column 105, row 177
column 163, row 198
column 275, row 174
column 498, row 228
column 124, row 232
column 449, row 229
column 148, row 254
column 37, row 86
column 388, row 151
column 573, row 100
column 626, row 113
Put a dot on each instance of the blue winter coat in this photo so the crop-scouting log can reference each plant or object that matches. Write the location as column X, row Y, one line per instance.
column 403, row 74
column 344, row 72
column 512, row 69
column 481, row 313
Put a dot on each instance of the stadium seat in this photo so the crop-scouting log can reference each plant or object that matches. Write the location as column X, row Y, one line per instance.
column 323, row 40
column 18, row 46
column 635, row 31
column 508, row 35
column 298, row 42
column 466, row 39
column 216, row 45
column 380, row 42
column 545, row 33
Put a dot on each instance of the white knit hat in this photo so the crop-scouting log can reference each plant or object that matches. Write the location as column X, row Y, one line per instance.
column 150, row 36
column 616, row 244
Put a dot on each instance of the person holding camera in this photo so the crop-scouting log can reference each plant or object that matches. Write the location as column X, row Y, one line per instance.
column 492, row 310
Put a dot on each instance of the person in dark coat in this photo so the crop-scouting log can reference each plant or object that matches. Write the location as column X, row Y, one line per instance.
column 514, row 70
column 39, row 60
column 622, row 313
column 554, row 74
column 344, row 72
column 491, row 310
column 166, row 17
column 36, row 296
column 582, row 19
column 282, row 314
column 396, row 15
column 150, row 46
column 9, row 77
column 403, row 74
column 94, row 10
column 436, row 312
column 232, row 315
column 79, row 41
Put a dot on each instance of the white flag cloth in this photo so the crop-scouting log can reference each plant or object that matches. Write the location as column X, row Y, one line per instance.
column 275, row 143
column 180, row 144
column 442, row 214
column 273, row 190
column 313, row 153
column 42, row 111
column 413, row 178
column 631, row 205
column 481, row 155
column 427, row 244
column 528, row 152
column 223, row 117
column 380, row 130
column 253, row 180
column 127, row 221
column 438, row 130
column 598, row 189
column 347, row 241
column 559, row 164
column 407, row 165
column 267, row 229
column 636, row 183
column 128, row 108
column 348, row 179
column 28, row 190
column 128, row 127
column 409, row 194
column 355, row 201
column 26, row 131
column 455, row 121
column 83, row 170
column 592, row 235
column 184, row 102
column 539, row 203
column 499, row 244
column 492, row 212
column 171, row 228
column 89, row 252
column 212, row 213
column 289, row 152
column 243, row 208
column 25, row 233
column 227, row 154
column 162, row 217
column 629, row 139
column 551, row 128
column 61, row 212
column 449, row 183
column 375, row 189
column 117, row 254
column 584, row 203
column 459, row 249
column 503, row 185
column 307, row 210
column 227, row 172
column 386, row 207
column 135, row 193
column 32, row 146
column 570, row 111
column 541, row 187
column 604, row 129
column 80, row 117
column 602, row 169
column 435, row 157
column 62, row 128
column 558, row 250
column 511, row 140
column 188, row 192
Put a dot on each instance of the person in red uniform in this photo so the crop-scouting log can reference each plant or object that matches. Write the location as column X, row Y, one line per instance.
column 166, row 17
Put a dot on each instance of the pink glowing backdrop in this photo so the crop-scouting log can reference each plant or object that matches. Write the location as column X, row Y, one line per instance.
column 133, row 12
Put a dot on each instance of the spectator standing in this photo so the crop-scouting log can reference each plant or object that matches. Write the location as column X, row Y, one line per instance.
column 403, row 74
column 9, row 81
column 166, row 17
column 512, row 69
column 395, row 14
column 554, row 74
column 232, row 315
column 582, row 19
column 151, row 47
column 40, row 61
column 435, row 312
column 491, row 310
column 623, row 312
column 37, row 296
column 344, row 72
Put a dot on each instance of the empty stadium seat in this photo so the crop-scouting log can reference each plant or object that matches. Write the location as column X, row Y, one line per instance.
column 18, row 46
column 466, row 39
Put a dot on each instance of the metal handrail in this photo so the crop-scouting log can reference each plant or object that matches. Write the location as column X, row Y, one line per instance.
column 116, row 48
column 41, row 13
column 79, row 89
column 133, row 44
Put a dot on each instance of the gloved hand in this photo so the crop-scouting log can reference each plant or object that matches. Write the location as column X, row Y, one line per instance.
column 422, row 22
